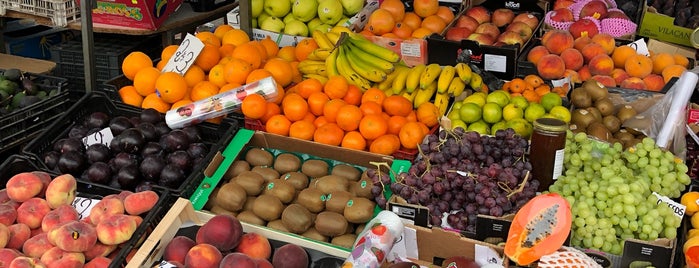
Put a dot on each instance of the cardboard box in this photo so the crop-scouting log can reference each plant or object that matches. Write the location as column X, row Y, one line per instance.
column 659, row 26
column 501, row 61
column 32, row 40
column 182, row 214
column 145, row 14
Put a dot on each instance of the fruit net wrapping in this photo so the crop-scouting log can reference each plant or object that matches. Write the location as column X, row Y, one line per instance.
column 567, row 257
column 560, row 25
column 578, row 5
column 618, row 27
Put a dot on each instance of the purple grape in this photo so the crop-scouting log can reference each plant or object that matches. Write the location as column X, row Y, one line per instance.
column 435, row 220
column 423, row 196
column 453, row 219
column 496, row 211
column 376, row 190
column 471, row 208
column 381, row 201
column 447, row 196
column 455, row 205
column 428, row 179
column 483, row 210
column 406, row 192
column 443, row 206
column 480, row 199
column 489, row 202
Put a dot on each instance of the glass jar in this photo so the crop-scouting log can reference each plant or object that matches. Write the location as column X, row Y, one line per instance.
column 546, row 150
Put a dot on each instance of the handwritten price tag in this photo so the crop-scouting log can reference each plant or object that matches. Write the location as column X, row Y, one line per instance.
column 640, row 46
column 677, row 208
column 186, row 54
column 485, row 255
column 103, row 136
column 84, row 205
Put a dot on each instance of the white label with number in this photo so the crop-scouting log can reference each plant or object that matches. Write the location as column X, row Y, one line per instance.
column 84, row 205
column 103, row 136
column 495, row 63
column 486, row 255
column 186, row 54
column 640, row 47
column 677, row 208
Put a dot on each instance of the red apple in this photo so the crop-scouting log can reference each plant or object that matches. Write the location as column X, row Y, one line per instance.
column 502, row 17
column 511, row 38
column 467, row 22
column 529, row 19
column 489, row 29
column 522, row 28
column 481, row 14
column 457, row 33
column 616, row 14
column 481, row 39
column 596, row 9
column 562, row 15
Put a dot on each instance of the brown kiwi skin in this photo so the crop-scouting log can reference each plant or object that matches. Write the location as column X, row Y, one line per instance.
column 267, row 173
column 250, row 217
column 277, row 225
column 359, row 210
column 268, row 207
column 330, row 223
column 296, row 218
column 331, row 183
column 336, row 201
column 282, row 190
column 287, row 162
column 259, row 157
column 231, row 197
column 297, row 179
column 312, row 233
column 249, row 202
column 220, row 211
column 314, row 168
column 250, row 181
column 362, row 188
column 346, row 240
column 312, row 199
column 236, row 168
column 347, row 171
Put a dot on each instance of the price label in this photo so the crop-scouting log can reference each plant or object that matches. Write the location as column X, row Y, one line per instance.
column 84, row 205
column 103, row 136
column 186, row 54
column 486, row 255
column 165, row 264
column 677, row 208
column 640, row 46
column 495, row 63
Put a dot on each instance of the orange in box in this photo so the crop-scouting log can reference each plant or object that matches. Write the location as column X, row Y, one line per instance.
column 139, row 14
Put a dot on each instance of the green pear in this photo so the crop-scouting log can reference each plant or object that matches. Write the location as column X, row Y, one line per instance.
column 257, row 6
column 313, row 23
column 289, row 17
column 263, row 16
column 296, row 27
column 323, row 27
column 305, row 10
column 352, row 7
column 272, row 24
column 344, row 21
column 330, row 11
column 277, row 9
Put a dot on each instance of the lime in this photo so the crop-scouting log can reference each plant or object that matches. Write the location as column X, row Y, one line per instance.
column 521, row 127
column 477, row 98
column 456, row 105
column 549, row 100
column 561, row 112
column 459, row 123
column 492, row 113
column 511, row 111
column 534, row 111
column 520, row 102
column 498, row 126
column 470, row 112
column 499, row 97
column 479, row 126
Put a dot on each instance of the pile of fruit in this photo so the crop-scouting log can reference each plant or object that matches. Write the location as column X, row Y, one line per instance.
column 300, row 18
column 41, row 228
column 591, row 17
column 686, row 12
column 391, row 19
column 502, row 27
column 597, row 57
column 691, row 201
column 18, row 91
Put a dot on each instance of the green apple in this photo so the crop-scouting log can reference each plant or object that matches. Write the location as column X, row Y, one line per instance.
column 277, row 9
column 288, row 18
column 305, row 10
column 257, row 6
column 330, row 11
column 312, row 24
column 351, row 7
column 272, row 24
column 296, row 27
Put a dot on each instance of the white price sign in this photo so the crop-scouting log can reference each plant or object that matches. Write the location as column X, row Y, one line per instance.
column 103, row 136
column 486, row 255
column 84, row 205
column 677, row 208
column 186, row 54
column 640, row 46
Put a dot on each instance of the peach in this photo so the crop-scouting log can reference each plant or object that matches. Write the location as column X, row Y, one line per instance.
column 511, row 38
column 45, row 180
column 529, row 19
column 479, row 13
column 621, row 54
column 557, row 40
column 671, row 71
column 221, row 231
column 572, row 58
column 36, row 245
column 123, row 194
column 601, row 64
column 605, row 80
column 99, row 250
column 662, row 60
column 619, row 75
column 263, row 263
column 35, row 232
column 583, row 27
column 522, row 28
column 116, row 229
column 562, row 15
column 596, row 9
column 203, row 256
column 75, row 236
column 584, row 73
column 19, row 233
column 290, row 255
column 56, row 257
column 236, row 259
column 59, row 216
column 8, row 214
column 616, row 14
column 551, row 67
column 61, row 190
column 489, row 29
column 502, row 17
column 32, row 212
column 638, row 66
column 26, row 262
column 99, row 262
column 654, row 82
column 3, row 196
column 255, row 246
column 177, row 249
column 581, row 42
column 591, row 50
column 536, row 53
column 467, row 22
column 104, row 208
column 23, row 186
column 140, row 202
column 4, row 235
column 681, row 60
column 606, row 41
column 7, row 255
column 633, row 83
column 574, row 76
column 562, row 4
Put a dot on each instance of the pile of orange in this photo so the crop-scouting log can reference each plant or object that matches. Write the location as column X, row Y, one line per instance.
column 532, row 87
column 338, row 113
column 391, row 19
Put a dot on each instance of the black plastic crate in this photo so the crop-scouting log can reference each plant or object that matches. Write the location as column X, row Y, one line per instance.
column 16, row 164
column 215, row 136
column 76, row 72
column 109, row 50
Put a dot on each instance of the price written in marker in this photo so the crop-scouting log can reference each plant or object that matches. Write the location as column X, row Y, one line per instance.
column 84, row 205
column 103, row 136
column 640, row 47
column 677, row 208
column 186, row 54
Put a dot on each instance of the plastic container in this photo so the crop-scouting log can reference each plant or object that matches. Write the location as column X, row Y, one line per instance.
column 59, row 11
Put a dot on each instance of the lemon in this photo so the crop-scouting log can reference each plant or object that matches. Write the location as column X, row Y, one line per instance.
column 689, row 200
column 534, row 111
column 511, row 111
column 470, row 112
column 456, row 105
column 561, row 112
column 521, row 127
column 454, row 115
column 550, row 100
column 476, row 98
column 492, row 113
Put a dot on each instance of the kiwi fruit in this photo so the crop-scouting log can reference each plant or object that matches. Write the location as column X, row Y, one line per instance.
column 250, row 181
column 282, row 190
column 287, row 162
column 626, row 112
column 250, row 217
column 296, row 218
column 277, row 225
column 631, row 143
column 344, row 170
column 575, row 129
column 220, row 211
column 236, row 168
column 313, row 233
column 296, row 179
column 612, row 123
column 595, row 113
column 582, row 118
column 312, row 199
column 259, row 157
column 605, row 107
column 359, row 210
column 231, row 197
column 350, row 228
column 314, row 168
column 212, row 201
column 268, row 207
column 249, row 202
column 335, row 201
column 330, row 223
column 345, row 240
column 595, row 89
column 599, row 131
column 268, row 173
column 622, row 135
column 580, row 98
column 331, row 183
column 362, row 188
column 359, row 228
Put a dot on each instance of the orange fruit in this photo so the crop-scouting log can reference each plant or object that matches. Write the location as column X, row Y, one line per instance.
column 397, row 105
column 294, row 107
column 329, row 133
column 380, row 22
column 229, row 86
column 662, row 60
column 309, row 117
column 308, row 86
column 428, row 114
column 373, row 94
column 395, row 7
column 305, row 47
column 226, row 50
column 155, row 102
column 533, row 80
column 390, row 35
column 167, row 52
column 302, row 130
column 254, row 106
column 373, row 126
column 271, row 110
column 542, row 89
column 208, row 38
column 144, row 81
column 353, row 95
column 296, row 76
column 353, row 140
column 208, row 57
column 248, row 52
column 348, row 117
column 638, row 66
column 425, row 8
column 621, row 54
column 130, row 96
column 413, row 20
column 221, row 30
column 203, row 90
column 278, row 124
column 161, row 64
column 257, row 74
column 319, row 121
column 194, row 75
column 681, row 60
column 411, row 135
column 336, row 87
column 316, row 102
column 445, row 13
column 235, row 37
column 288, row 53
column 421, row 32
column 672, row 71
column 270, row 46
column 386, row 144
column 171, row 87
column 180, row 103
column 395, row 123
column 433, row 23
column 236, row 71
column 281, row 70
column 260, row 49
column 134, row 62
column 402, row 30
column 371, row 107
column 217, row 75
column 331, row 109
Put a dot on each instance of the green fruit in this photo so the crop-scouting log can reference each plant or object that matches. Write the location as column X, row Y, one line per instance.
column 561, row 112
column 9, row 86
column 499, row 97
column 330, row 11
column 257, row 6
column 498, row 126
column 305, row 10
column 351, row 7
column 480, row 126
column 13, row 74
column 459, row 123
column 533, row 112
column 521, row 127
column 550, row 100
column 520, row 101
column 470, row 112
column 511, row 111
column 478, row 99
column 272, row 24
column 277, row 9
column 296, row 27
column 16, row 99
column 492, row 113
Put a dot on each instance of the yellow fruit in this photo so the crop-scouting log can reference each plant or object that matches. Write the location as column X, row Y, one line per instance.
column 692, row 242
column 692, row 233
column 690, row 199
column 695, row 220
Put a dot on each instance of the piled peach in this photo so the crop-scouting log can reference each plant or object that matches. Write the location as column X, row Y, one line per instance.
column 560, row 55
column 391, row 19
column 39, row 227
column 220, row 242
column 501, row 27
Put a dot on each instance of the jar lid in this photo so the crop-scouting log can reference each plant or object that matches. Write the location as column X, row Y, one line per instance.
column 550, row 124
column 694, row 38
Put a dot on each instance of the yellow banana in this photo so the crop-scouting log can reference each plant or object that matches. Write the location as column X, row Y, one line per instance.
column 308, row 62
column 430, row 74
column 441, row 100
column 322, row 79
column 375, row 61
column 456, row 87
column 331, row 63
column 388, row 82
column 425, row 94
column 319, row 54
column 333, row 37
column 365, row 45
column 464, row 72
column 409, row 96
column 321, row 39
column 339, row 29
column 413, row 78
column 352, row 76
column 398, row 83
column 445, row 77
column 363, row 68
column 476, row 82
column 388, row 92
column 314, row 69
